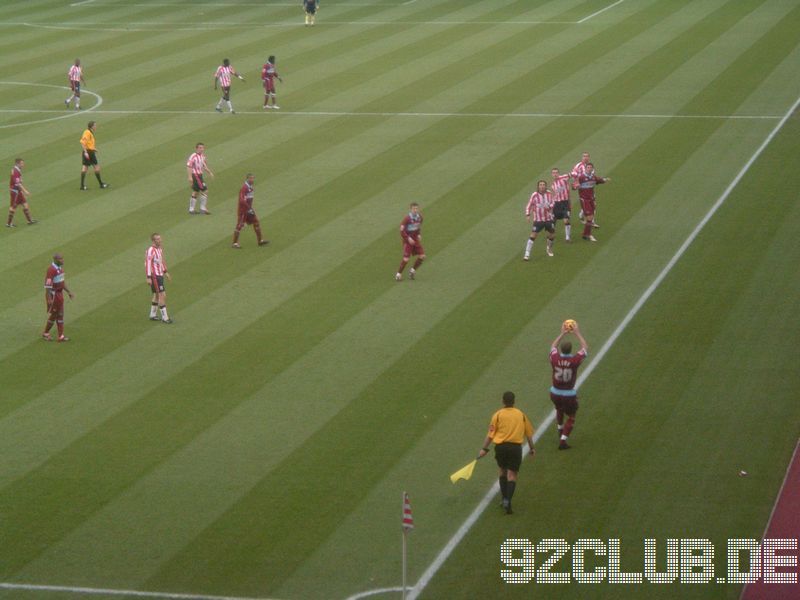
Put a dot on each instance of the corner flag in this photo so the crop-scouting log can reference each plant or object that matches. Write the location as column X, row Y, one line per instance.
column 408, row 520
column 463, row 473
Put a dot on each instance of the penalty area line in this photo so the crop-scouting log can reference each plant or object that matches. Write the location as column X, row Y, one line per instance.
column 462, row 531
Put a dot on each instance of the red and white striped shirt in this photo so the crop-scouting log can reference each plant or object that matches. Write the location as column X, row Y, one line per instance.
column 578, row 170
column 196, row 162
column 223, row 74
column 541, row 206
column 268, row 72
column 560, row 188
column 154, row 262
column 74, row 73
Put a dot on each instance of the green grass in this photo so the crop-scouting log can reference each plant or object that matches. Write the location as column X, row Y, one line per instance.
column 260, row 445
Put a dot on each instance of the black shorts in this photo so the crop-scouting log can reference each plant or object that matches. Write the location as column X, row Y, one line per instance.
column 548, row 225
column 561, row 210
column 157, row 283
column 508, row 456
column 198, row 185
column 92, row 160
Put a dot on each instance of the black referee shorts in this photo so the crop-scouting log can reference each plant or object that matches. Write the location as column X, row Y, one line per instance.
column 508, row 456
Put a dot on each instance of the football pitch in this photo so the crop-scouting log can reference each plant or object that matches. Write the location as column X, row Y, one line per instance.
column 260, row 445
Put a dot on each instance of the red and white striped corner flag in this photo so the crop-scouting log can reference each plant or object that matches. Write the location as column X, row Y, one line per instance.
column 408, row 520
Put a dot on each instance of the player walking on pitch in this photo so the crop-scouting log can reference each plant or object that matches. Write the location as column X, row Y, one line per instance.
column 155, row 270
column 269, row 73
column 540, row 212
column 55, row 285
column 196, row 165
column 565, row 374
column 246, row 214
column 508, row 428
column 75, row 79
column 89, row 156
column 411, row 232
column 222, row 77
column 19, row 194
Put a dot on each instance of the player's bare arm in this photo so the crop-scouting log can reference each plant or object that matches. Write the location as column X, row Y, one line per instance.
column 531, row 449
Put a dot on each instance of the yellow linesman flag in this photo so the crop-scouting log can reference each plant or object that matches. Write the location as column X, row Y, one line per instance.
column 463, row 473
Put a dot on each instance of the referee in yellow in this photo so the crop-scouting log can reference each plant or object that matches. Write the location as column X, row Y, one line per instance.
column 508, row 428
column 89, row 156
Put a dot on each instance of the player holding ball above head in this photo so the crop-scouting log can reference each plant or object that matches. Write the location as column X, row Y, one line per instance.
column 565, row 373
column 411, row 232
column 222, row 77
column 269, row 73
column 246, row 214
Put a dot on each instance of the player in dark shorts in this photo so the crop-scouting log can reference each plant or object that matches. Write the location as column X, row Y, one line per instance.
column 508, row 429
column 246, row 215
column 310, row 7
column 561, row 207
column 565, row 374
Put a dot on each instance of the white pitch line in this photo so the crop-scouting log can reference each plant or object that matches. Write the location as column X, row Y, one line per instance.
column 91, row 591
column 331, row 113
column 376, row 592
column 602, row 10
column 63, row 116
column 81, row 2
column 203, row 26
column 473, row 517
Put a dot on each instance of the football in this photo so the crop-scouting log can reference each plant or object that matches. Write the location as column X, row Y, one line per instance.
column 570, row 324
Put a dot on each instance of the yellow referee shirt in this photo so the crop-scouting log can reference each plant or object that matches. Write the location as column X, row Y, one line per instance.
column 509, row 424
column 87, row 140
